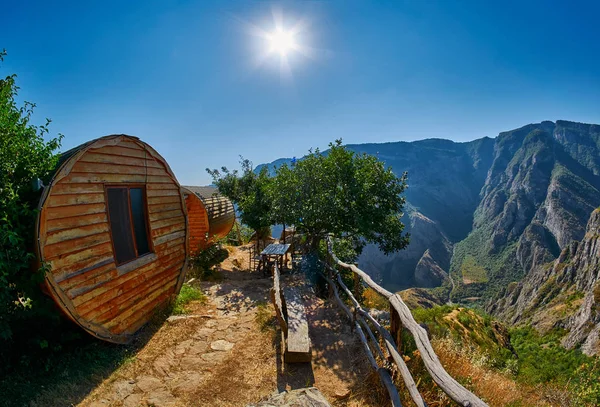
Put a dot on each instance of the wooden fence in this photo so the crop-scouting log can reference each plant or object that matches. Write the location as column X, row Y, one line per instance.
column 400, row 316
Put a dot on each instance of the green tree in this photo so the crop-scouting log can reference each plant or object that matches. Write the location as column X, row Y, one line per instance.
column 25, row 155
column 249, row 191
column 352, row 196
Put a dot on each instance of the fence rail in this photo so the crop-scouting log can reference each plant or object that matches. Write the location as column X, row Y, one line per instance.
column 400, row 316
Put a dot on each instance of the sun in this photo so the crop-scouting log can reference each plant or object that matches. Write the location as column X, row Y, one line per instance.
column 285, row 43
column 281, row 41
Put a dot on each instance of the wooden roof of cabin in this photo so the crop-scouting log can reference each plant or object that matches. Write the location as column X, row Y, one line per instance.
column 220, row 210
column 216, row 204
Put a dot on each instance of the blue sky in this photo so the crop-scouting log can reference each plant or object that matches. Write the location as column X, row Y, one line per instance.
column 182, row 75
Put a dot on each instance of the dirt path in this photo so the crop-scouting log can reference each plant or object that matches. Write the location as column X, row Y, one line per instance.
column 227, row 352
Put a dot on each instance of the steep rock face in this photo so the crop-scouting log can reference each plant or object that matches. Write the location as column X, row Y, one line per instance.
column 444, row 177
column 429, row 252
column 564, row 293
column 536, row 200
column 428, row 272
column 583, row 271
column 444, row 183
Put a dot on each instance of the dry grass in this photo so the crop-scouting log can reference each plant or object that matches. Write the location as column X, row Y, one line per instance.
column 249, row 374
column 496, row 388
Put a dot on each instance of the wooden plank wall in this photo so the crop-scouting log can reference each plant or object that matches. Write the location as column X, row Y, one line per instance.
column 197, row 222
column 75, row 240
column 221, row 215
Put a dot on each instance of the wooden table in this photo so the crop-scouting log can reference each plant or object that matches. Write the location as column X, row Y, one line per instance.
column 274, row 250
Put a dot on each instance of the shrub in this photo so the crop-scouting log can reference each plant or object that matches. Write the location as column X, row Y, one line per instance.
column 25, row 156
column 204, row 262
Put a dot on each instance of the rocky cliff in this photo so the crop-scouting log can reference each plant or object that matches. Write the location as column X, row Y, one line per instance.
column 563, row 294
column 502, row 218
column 537, row 197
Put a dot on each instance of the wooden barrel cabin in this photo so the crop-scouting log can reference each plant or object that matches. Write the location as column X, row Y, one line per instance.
column 112, row 228
column 210, row 216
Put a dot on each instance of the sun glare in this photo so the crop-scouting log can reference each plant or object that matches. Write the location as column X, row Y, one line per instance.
column 281, row 41
column 284, row 44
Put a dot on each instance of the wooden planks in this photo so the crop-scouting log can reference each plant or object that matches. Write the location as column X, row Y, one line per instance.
column 75, row 199
column 297, row 340
column 77, row 210
column 276, row 297
column 75, row 238
column 198, row 225
column 72, row 222
column 67, row 247
column 120, row 156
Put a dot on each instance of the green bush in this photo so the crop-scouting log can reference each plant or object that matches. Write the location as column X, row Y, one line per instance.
column 204, row 262
column 25, row 155
column 186, row 295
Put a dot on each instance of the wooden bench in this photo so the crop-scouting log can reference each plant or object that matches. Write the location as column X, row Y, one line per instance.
column 292, row 319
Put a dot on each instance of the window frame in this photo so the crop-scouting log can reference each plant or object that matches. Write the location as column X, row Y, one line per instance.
column 130, row 186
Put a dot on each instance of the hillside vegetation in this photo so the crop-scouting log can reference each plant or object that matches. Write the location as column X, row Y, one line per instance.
column 534, row 363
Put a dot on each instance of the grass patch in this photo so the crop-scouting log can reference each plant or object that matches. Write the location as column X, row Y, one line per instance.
column 265, row 319
column 473, row 272
column 187, row 295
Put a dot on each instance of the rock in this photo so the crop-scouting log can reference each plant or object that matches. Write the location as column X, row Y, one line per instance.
column 198, row 347
column 221, row 345
column 204, row 333
column 214, row 357
column 309, row 397
column 149, row 383
column 211, row 324
column 191, row 362
column 182, row 347
column 188, row 383
column 163, row 363
column 175, row 318
column 133, row 400
column 122, row 389
column 160, row 398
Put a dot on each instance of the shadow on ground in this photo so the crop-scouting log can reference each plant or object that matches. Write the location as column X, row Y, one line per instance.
column 69, row 376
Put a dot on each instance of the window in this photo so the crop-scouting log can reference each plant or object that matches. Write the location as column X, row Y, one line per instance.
column 128, row 222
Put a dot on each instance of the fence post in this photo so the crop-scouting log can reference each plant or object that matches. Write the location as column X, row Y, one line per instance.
column 358, row 288
column 396, row 327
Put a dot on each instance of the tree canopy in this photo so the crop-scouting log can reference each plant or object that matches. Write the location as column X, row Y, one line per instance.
column 352, row 196
column 248, row 191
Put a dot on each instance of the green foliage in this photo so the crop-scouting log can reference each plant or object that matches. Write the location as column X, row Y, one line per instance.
column 473, row 272
column 187, row 295
column 239, row 231
column 25, row 155
column 537, row 358
column 542, row 359
column 204, row 262
column 339, row 192
column 501, row 267
column 249, row 191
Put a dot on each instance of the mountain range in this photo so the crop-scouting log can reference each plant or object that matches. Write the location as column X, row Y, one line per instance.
column 498, row 221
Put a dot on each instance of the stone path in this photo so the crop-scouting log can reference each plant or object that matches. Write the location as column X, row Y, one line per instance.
column 220, row 356
column 183, row 354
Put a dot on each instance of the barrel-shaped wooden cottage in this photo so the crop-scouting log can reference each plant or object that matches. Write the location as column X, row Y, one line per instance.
column 112, row 229
column 210, row 216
